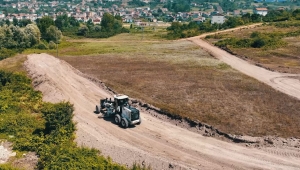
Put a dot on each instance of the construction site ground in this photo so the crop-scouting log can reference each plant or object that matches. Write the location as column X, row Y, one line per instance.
column 159, row 141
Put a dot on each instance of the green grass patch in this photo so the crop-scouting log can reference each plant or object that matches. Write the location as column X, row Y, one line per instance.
column 5, row 53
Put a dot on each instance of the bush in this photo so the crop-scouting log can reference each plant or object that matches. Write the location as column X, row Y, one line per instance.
column 5, row 53
column 41, row 46
column 258, row 40
column 52, row 45
column 258, row 43
column 58, row 116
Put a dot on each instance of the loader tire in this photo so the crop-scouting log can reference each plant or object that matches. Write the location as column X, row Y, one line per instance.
column 117, row 119
column 139, row 121
column 97, row 109
column 124, row 123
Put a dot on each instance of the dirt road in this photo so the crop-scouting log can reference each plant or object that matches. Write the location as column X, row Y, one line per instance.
column 286, row 83
column 161, row 144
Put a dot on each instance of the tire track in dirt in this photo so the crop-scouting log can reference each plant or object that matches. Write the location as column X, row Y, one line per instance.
column 155, row 142
column 291, row 153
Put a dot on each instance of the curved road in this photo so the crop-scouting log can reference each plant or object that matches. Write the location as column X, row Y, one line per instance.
column 161, row 144
column 286, row 83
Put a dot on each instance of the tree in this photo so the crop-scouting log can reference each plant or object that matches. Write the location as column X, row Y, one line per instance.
column 61, row 22
column 53, row 34
column 83, row 30
column 7, row 22
column 178, row 6
column 296, row 14
column 107, row 22
column 73, row 22
column 43, row 24
column 256, row 18
column 24, row 22
column 159, row 10
column 136, row 3
column 90, row 24
column 16, row 37
column 246, row 18
column 15, row 21
column 232, row 22
column 33, row 33
column 118, row 17
column 97, row 28
column 228, row 5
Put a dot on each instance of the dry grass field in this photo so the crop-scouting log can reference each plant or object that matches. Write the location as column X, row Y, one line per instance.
column 283, row 59
column 13, row 64
column 179, row 77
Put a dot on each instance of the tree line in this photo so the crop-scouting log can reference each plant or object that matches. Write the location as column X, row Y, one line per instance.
column 47, row 33
column 182, row 30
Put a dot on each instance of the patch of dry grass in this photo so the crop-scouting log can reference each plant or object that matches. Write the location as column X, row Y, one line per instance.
column 13, row 64
column 184, row 80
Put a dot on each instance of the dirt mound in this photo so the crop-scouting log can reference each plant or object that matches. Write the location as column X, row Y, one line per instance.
column 157, row 142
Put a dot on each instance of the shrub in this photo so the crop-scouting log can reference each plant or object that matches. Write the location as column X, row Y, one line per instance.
column 41, row 46
column 58, row 116
column 52, row 45
column 5, row 53
column 258, row 43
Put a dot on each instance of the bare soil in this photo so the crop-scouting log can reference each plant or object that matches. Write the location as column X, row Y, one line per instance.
column 6, row 152
column 183, row 79
column 156, row 142
column 28, row 161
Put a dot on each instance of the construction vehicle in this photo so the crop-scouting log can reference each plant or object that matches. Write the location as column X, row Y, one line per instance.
column 124, row 114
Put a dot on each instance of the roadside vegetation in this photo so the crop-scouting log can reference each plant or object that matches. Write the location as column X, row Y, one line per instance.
column 44, row 128
column 274, row 46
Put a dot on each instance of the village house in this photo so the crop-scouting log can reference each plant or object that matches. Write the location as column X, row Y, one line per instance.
column 236, row 12
column 218, row 19
column 261, row 11
column 199, row 20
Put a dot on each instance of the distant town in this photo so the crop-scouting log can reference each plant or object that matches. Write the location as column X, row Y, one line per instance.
column 137, row 11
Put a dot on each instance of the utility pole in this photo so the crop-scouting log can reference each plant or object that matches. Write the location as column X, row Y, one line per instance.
column 143, row 33
column 56, row 43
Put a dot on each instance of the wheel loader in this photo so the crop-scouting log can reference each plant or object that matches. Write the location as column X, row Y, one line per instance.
column 124, row 114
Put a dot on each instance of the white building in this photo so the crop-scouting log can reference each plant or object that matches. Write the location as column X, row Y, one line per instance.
column 218, row 19
column 261, row 11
